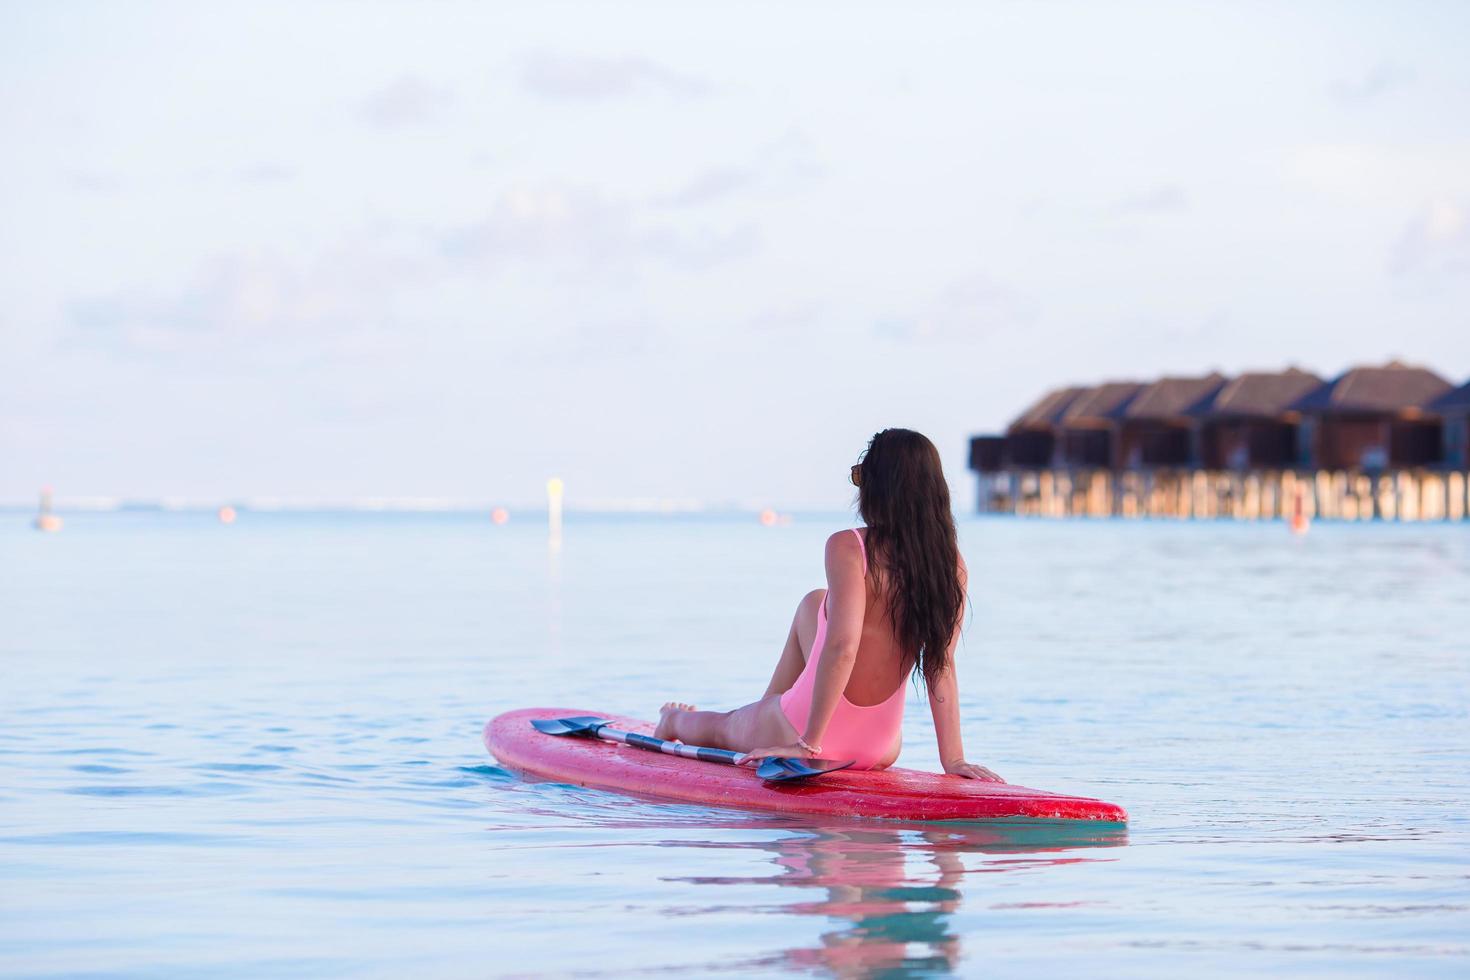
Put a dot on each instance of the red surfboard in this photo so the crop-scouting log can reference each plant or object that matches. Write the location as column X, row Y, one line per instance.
column 895, row 794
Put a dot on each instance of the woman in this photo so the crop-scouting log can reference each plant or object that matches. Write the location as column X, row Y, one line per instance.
column 895, row 594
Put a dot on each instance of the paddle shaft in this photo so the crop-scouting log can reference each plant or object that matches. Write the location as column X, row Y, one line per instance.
column 666, row 747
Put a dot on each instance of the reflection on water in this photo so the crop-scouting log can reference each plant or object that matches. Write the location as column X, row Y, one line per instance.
column 893, row 890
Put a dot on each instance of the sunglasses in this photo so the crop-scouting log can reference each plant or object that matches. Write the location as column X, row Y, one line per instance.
column 857, row 474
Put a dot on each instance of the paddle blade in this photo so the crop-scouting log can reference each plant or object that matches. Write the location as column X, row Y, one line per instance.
column 774, row 769
column 581, row 725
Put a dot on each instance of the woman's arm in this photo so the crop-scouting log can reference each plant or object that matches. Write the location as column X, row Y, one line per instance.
column 944, row 705
column 847, row 605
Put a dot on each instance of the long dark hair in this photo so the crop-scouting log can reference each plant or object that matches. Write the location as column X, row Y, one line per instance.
column 904, row 501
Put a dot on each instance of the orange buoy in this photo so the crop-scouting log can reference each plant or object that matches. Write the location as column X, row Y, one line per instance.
column 1299, row 521
column 45, row 520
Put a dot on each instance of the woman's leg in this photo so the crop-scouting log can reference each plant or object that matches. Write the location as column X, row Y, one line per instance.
column 761, row 722
column 751, row 726
column 798, row 643
column 682, row 722
column 891, row 756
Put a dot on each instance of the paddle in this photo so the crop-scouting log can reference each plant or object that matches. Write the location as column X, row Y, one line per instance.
column 771, row 769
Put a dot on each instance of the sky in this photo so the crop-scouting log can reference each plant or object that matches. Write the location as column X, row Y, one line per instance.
column 688, row 254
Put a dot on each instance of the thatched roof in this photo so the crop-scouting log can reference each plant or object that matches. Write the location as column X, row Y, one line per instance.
column 1257, row 394
column 1389, row 389
column 1170, row 398
column 1456, row 400
column 1104, row 402
column 1047, row 411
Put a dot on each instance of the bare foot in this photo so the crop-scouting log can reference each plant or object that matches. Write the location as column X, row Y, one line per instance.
column 665, row 729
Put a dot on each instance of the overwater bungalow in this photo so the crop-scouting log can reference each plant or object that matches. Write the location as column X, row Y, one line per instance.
column 1089, row 424
column 1390, row 441
column 1453, row 409
column 1248, row 424
column 988, row 454
column 1371, row 419
column 1031, row 440
column 1156, row 430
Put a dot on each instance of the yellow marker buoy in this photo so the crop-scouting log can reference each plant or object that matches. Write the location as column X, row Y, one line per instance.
column 554, row 490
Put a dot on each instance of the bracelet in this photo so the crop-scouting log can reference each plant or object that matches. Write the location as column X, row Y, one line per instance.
column 815, row 750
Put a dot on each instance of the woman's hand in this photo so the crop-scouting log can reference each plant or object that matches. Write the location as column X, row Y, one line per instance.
column 971, row 771
column 779, row 751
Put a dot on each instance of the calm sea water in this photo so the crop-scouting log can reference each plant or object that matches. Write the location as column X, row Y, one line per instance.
column 255, row 751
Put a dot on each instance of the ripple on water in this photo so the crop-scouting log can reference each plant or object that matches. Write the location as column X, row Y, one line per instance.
column 100, row 769
column 238, row 767
column 197, row 789
column 493, row 773
column 131, row 838
column 322, row 777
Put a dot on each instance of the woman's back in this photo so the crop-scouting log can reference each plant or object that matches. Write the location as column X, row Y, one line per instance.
column 881, row 666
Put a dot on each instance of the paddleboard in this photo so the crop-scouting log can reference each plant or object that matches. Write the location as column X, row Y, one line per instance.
column 894, row 794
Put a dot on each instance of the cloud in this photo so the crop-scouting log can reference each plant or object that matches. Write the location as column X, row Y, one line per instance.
column 93, row 181
column 967, row 309
column 1377, row 80
column 589, row 341
column 1380, row 174
column 792, row 318
column 573, row 77
column 408, row 101
column 710, row 186
column 791, row 161
column 1160, row 199
column 785, row 165
column 266, row 173
column 357, row 299
column 1435, row 245
column 255, row 301
column 581, row 230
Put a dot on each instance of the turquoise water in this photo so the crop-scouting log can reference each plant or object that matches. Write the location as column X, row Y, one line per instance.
column 255, row 751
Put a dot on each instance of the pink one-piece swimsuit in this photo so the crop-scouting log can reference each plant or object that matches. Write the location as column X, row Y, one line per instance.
column 864, row 733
